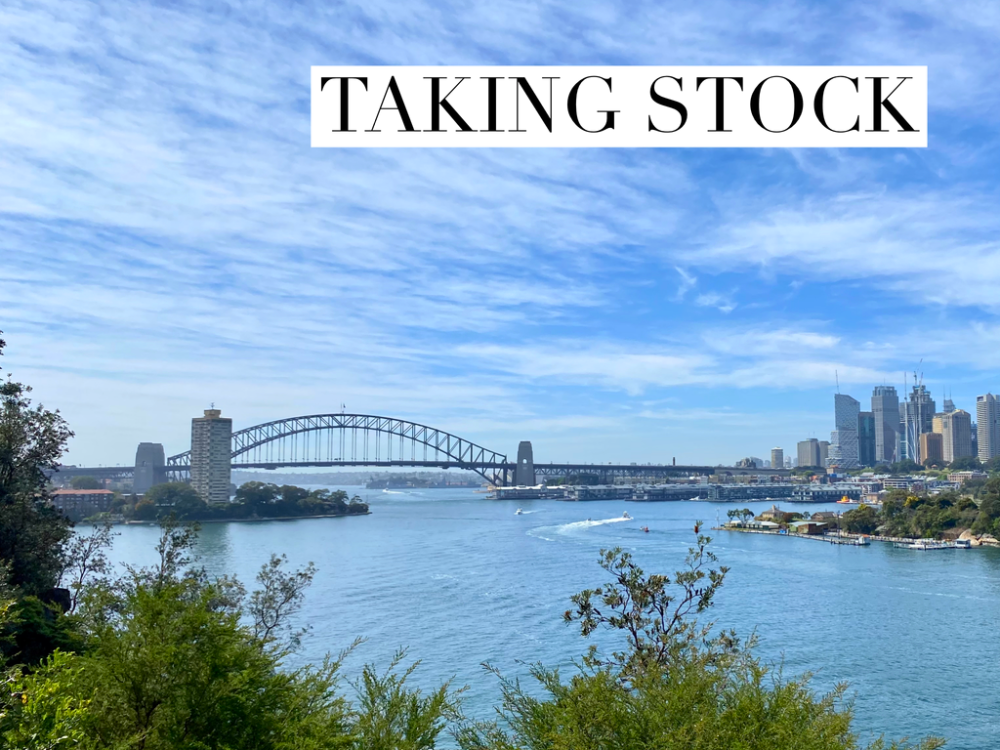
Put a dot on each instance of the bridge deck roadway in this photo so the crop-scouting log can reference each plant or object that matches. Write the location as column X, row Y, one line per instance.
column 540, row 469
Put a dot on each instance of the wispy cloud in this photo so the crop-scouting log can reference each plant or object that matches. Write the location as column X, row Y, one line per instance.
column 168, row 238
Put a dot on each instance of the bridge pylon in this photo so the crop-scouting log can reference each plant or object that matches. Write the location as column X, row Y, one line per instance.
column 524, row 474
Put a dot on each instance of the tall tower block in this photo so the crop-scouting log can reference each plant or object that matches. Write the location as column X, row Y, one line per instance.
column 211, row 452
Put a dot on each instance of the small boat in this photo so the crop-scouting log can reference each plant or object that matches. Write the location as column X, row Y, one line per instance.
column 925, row 545
column 626, row 515
column 518, row 512
column 963, row 544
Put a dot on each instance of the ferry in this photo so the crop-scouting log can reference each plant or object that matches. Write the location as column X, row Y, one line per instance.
column 963, row 544
column 925, row 545
column 845, row 500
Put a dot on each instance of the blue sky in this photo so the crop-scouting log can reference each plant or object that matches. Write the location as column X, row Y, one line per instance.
column 169, row 239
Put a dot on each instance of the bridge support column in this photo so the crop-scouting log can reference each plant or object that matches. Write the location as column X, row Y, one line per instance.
column 524, row 475
column 149, row 467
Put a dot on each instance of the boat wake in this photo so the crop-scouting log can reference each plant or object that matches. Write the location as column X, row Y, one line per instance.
column 569, row 528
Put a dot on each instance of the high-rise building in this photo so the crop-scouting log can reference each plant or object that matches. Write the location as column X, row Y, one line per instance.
column 777, row 458
column 808, row 452
column 866, row 438
column 844, row 439
column 211, row 455
column 955, row 428
column 949, row 406
column 885, row 407
column 931, row 447
column 916, row 417
column 988, row 421
column 824, row 452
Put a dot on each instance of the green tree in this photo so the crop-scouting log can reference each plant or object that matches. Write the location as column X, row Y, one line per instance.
column 257, row 494
column 144, row 510
column 179, row 498
column 173, row 662
column 654, row 613
column 86, row 483
column 675, row 686
column 966, row 463
column 861, row 520
column 32, row 532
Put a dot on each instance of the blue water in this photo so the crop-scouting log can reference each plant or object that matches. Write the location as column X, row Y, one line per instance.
column 462, row 580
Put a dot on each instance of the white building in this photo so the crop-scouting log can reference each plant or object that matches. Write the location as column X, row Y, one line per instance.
column 211, row 456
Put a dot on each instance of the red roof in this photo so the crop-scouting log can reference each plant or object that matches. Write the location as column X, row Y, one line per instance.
column 83, row 492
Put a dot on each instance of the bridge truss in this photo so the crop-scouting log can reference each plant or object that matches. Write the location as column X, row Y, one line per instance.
column 355, row 440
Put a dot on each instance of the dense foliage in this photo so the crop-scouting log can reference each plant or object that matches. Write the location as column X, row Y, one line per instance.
column 675, row 683
column 173, row 659
column 253, row 500
column 928, row 516
column 32, row 532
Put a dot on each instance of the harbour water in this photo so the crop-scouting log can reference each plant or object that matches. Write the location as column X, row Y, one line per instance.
column 461, row 580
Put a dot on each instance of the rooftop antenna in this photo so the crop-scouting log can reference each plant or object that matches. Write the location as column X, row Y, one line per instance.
column 343, row 408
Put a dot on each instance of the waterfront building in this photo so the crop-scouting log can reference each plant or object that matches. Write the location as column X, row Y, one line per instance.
column 955, row 428
column 885, row 408
column 988, row 421
column 80, row 504
column 825, row 493
column 211, row 455
column 916, row 418
column 722, row 493
column 932, row 447
column 844, row 439
column 866, row 438
column 777, row 458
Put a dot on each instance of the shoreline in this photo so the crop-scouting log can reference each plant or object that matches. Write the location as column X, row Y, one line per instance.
column 848, row 536
column 228, row 520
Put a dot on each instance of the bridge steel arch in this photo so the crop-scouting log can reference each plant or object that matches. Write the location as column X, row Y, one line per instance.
column 356, row 440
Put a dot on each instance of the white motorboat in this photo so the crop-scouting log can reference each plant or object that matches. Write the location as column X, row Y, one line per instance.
column 518, row 512
column 626, row 515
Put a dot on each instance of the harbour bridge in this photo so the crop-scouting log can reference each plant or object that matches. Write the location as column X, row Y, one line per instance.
column 346, row 440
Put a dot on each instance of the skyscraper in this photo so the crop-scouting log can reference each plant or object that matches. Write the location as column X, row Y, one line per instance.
column 885, row 407
column 211, row 451
column 988, row 420
column 955, row 428
column 866, row 438
column 931, row 447
column 844, row 439
column 808, row 452
column 916, row 418
column 777, row 458
column 824, row 452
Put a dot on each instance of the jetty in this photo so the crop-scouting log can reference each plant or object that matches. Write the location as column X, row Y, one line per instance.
column 859, row 540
